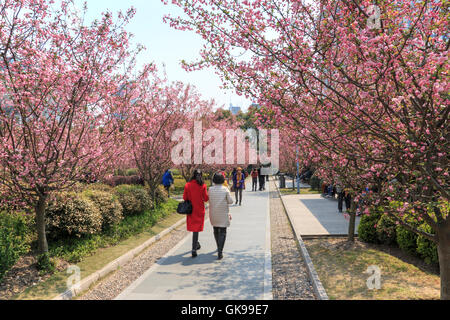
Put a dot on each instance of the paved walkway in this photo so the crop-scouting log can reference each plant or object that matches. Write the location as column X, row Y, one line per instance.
column 311, row 214
column 289, row 184
column 245, row 273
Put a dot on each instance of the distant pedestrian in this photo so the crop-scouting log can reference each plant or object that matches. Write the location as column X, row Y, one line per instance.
column 195, row 191
column 330, row 191
column 324, row 188
column 340, row 194
column 238, row 185
column 224, row 174
column 167, row 180
column 219, row 211
column 348, row 200
column 262, row 180
column 255, row 180
column 361, row 202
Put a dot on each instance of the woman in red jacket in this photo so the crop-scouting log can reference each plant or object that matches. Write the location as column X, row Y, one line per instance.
column 195, row 191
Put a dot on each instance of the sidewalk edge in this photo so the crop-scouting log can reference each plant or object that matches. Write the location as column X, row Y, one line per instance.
column 113, row 265
column 319, row 290
column 268, row 284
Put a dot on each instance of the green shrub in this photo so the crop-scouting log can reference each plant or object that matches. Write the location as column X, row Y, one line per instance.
column 14, row 242
column 386, row 230
column 425, row 248
column 99, row 187
column 72, row 214
column 177, row 176
column 132, row 172
column 161, row 195
column 134, row 199
column 77, row 249
column 315, row 183
column 45, row 264
column 406, row 240
column 367, row 230
column 110, row 208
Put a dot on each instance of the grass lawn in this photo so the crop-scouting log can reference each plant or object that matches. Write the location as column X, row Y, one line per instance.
column 341, row 269
column 289, row 191
column 56, row 284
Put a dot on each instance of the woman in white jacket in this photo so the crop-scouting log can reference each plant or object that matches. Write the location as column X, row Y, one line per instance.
column 219, row 212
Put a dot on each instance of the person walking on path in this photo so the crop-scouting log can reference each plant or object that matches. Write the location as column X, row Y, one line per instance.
column 348, row 200
column 224, row 174
column 238, row 185
column 167, row 180
column 255, row 180
column 219, row 211
column 262, row 180
column 324, row 189
column 340, row 193
column 195, row 191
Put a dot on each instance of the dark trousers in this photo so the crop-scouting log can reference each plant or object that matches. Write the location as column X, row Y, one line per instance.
column 340, row 201
column 254, row 184
column 220, row 234
column 348, row 202
column 195, row 243
column 262, row 182
column 238, row 195
column 168, row 190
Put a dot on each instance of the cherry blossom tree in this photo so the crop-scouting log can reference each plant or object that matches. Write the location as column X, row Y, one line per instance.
column 153, row 110
column 57, row 83
column 208, row 130
column 367, row 94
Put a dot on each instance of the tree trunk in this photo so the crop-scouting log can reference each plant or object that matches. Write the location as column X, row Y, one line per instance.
column 352, row 222
column 444, row 261
column 40, row 224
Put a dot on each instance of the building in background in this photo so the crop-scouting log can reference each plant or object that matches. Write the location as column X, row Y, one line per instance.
column 234, row 109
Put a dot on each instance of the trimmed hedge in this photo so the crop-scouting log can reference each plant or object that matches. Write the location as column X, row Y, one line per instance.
column 81, row 221
column 121, row 180
column 132, row 172
column 161, row 195
column 14, row 242
column 386, row 230
column 315, row 183
column 99, row 187
column 78, row 248
column 110, row 208
column 134, row 199
column 407, row 240
column 425, row 248
column 367, row 230
column 379, row 228
column 72, row 214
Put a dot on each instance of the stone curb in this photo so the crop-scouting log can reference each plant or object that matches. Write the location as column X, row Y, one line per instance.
column 319, row 290
column 114, row 265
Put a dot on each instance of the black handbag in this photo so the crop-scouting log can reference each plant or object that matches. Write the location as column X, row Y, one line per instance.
column 185, row 207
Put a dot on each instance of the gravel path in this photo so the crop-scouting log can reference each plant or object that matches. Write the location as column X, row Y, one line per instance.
column 290, row 280
column 112, row 286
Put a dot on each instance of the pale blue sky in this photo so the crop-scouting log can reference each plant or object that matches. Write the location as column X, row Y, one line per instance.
column 167, row 45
